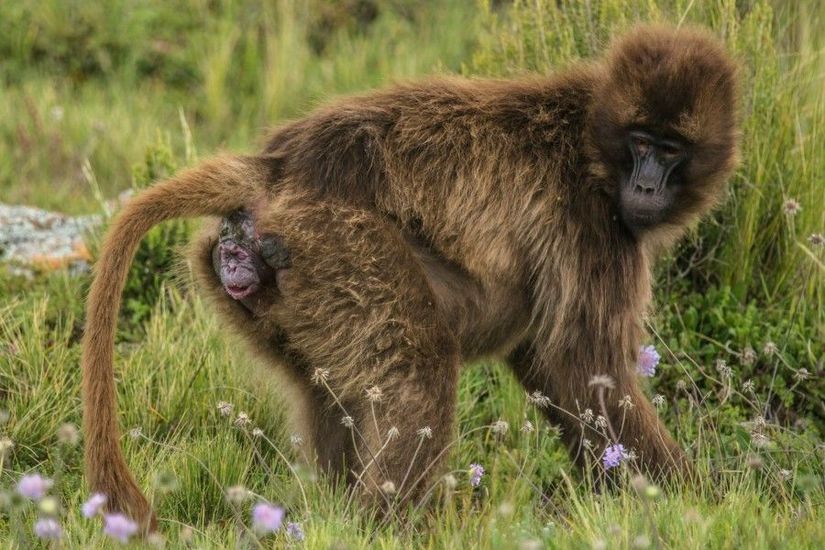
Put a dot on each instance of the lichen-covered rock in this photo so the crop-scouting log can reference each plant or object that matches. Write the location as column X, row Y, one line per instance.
column 34, row 239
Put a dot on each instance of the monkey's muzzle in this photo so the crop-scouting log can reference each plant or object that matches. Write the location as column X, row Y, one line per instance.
column 236, row 267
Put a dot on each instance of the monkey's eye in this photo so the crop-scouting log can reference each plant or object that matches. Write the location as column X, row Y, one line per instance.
column 671, row 152
column 640, row 143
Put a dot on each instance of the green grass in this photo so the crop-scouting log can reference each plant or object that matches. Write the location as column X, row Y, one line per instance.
column 92, row 93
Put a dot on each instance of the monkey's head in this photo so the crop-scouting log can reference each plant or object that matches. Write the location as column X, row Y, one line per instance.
column 662, row 131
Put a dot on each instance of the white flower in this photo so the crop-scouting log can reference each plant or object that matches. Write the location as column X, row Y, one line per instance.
column 242, row 420
column 347, row 421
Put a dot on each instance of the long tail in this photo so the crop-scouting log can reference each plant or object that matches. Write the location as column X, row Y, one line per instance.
column 216, row 187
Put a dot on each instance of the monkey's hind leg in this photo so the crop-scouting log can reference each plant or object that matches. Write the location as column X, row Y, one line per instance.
column 357, row 307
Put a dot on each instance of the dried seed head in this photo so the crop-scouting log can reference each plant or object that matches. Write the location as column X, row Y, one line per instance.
column 658, row 400
column 136, row 432
column 816, row 239
column 425, row 433
column 602, row 381
column 527, row 427
column 500, row 427
column 242, row 420
column 723, row 369
column 450, row 481
column 374, row 394
column 320, row 376
column 296, row 440
column 791, row 207
column 801, row 375
column 769, row 348
column 748, row 386
column 748, row 356
column 388, row 488
column 257, row 432
column 237, row 494
column 347, row 421
column 393, row 433
column 68, row 435
column 600, row 422
column 626, row 403
column 6, row 445
column 538, row 399
column 587, row 416
column 224, row 408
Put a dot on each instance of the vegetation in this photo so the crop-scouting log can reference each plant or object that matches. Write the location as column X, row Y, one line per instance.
column 101, row 97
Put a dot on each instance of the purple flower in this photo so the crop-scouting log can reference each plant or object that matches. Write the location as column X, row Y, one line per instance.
column 48, row 529
column 294, row 530
column 34, row 486
column 266, row 518
column 648, row 361
column 476, row 471
column 119, row 527
column 92, row 507
column 613, row 456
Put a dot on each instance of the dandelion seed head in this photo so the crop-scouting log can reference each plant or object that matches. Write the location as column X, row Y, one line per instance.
column 33, row 486
column 48, row 529
column 68, row 435
column 94, row 505
column 648, row 361
column 266, row 518
column 425, row 433
column 237, row 494
column 613, row 456
column 225, row 408
column 119, row 527
column 476, row 473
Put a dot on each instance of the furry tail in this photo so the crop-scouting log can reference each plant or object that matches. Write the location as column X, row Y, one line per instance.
column 216, row 187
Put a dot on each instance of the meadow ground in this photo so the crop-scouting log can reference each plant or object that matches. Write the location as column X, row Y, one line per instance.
column 99, row 97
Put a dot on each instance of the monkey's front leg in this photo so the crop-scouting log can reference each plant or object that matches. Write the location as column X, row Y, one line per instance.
column 583, row 380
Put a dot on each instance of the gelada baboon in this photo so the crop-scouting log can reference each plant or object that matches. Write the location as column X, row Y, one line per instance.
column 383, row 240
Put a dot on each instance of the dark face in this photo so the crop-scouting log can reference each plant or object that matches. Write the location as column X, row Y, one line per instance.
column 650, row 183
column 237, row 259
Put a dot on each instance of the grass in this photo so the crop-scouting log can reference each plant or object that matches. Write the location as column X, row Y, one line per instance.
column 90, row 91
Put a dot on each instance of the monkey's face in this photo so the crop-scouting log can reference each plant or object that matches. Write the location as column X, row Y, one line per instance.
column 662, row 127
column 648, row 187
column 236, row 258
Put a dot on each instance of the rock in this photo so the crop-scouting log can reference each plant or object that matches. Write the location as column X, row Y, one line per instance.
column 38, row 240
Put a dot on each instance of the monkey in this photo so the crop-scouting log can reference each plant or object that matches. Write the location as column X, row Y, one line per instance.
column 388, row 238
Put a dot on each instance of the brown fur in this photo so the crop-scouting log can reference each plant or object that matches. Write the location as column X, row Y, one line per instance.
column 430, row 224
